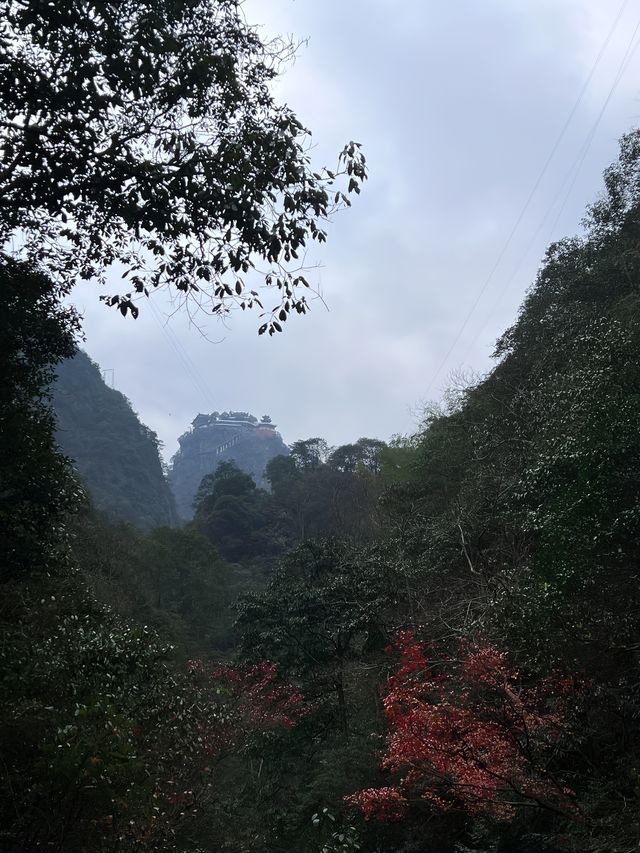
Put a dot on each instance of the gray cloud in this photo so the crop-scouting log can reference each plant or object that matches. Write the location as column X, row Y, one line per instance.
column 457, row 105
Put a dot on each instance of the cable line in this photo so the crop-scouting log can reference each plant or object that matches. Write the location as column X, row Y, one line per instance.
column 572, row 175
column 525, row 207
column 188, row 365
column 628, row 56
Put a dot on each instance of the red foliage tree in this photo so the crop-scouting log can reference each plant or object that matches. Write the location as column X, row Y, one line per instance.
column 473, row 739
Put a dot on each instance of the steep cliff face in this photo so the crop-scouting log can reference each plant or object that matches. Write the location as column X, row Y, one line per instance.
column 114, row 453
column 218, row 438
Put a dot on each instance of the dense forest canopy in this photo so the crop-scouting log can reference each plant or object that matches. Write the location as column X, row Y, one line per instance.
column 37, row 333
column 430, row 644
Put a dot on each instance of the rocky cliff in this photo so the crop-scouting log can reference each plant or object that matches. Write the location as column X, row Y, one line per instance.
column 216, row 438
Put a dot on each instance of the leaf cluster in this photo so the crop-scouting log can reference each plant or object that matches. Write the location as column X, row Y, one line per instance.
column 146, row 134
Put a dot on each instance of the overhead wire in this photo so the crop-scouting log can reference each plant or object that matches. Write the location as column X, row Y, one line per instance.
column 190, row 368
column 525, row 207
column 571, row 175
column 628, row 56
column 185, row 365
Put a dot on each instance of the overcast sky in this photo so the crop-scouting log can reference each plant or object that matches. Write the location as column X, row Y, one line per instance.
column 458, row 105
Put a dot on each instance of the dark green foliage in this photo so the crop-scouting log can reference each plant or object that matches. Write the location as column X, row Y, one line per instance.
column 115, row 455
column 190, row 578
column 310, row 453
column 317, row 492
column 100, row 737
column 75, row 684
column 308, row 498
column 172, row 580
column 233, row 514
column 228, row 480
column 36, row 484
column 97, row 734
column 323, row 619
column 281, row 470
column 365, row 453
column 326, row 606
column 147, row 133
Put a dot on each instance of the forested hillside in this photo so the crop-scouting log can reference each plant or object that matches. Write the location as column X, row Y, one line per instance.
column 436, row 638
column 115, row 455
column 425, row 645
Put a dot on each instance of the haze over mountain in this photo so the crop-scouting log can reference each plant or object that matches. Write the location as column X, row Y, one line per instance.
column 216, row 438
column 118, row 457
column 115, row 454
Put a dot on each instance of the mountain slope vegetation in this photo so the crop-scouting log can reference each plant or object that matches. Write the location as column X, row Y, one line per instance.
column 115, row 455
column 431, row 645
